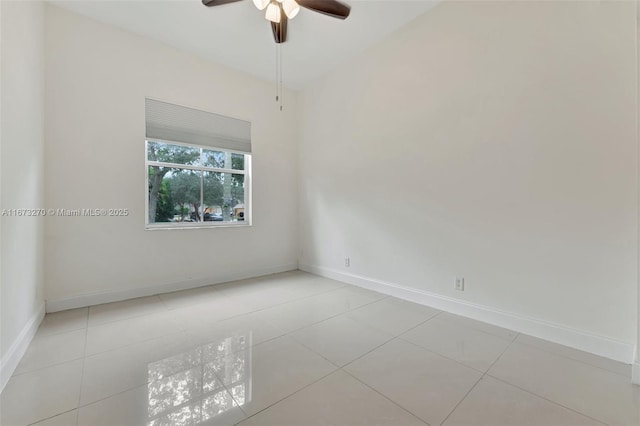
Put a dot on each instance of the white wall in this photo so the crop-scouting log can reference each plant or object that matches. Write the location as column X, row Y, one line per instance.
column 490, row 140
column 21, row 165
column 97, row 78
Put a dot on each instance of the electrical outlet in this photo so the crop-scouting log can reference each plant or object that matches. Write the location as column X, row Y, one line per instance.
column 459, row 284
column 347, row 262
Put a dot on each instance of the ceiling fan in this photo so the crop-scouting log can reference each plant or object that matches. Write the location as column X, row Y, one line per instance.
column 280, row 11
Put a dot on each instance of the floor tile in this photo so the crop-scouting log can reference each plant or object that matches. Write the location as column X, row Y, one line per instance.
column 183, row 400
column 341, row 339
column 191, row 297
column 40, row 394
column 252, row 325
column 327, row 283
column 63, row 321
column 118, row 370
column 426, row 384
column 348, row 298
column 479, row 325
column 273, row 290
column 66, row 419
column 469, row 346
column 264, row 374
column 595, row 392
column 305, row 285
column 218, row 308
column 494, row 403
column 338, row 399
column 116, row 311
column 117, row 334
column 301, row 313
column 393, row 315
column 215, row 355
column 259, row 294
column 595, row 360
column 51, row 349
column 317, row 284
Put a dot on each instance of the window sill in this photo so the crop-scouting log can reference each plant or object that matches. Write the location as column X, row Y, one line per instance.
column 172, row 227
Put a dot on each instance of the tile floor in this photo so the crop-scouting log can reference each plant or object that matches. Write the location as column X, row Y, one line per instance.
column 297, row 349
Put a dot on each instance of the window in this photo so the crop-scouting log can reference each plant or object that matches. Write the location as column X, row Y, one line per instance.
column 198, row 168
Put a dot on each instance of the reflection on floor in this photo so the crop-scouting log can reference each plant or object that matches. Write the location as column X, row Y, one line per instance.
column 297, row 349
column 184, row 389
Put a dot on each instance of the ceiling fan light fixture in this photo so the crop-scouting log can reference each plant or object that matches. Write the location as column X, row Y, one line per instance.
column 291, row 8
column 273, row 13
column 261, row 4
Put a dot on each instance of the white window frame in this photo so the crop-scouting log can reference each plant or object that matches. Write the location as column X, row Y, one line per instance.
column 198, row 225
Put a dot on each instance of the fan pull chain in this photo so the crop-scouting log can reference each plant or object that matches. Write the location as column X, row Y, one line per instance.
column 279, row 85
column 280, row 75
column 277, row 72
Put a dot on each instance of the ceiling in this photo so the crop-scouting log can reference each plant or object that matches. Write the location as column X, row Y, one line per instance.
column 237, row 35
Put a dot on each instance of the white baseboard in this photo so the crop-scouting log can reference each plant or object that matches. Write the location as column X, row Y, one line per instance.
column 98, row 298
column 10, row 360
column 598, row 345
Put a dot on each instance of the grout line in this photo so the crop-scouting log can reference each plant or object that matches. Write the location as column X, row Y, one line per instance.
column 546, row 399
column 84, row 361
column 463, row 398
column 144, row 340
column 48, row 366
column 431, row 351
column 549, row 351
column 140, row 315
column 290, row 395
column 283, row 398
column 136, row 385
column 109, row 396
column 289, row 301
column 386, row 397
column 486, row 374
column 137, row 342
column 368, row 352
column 476, row 383
column 333, row 363
column 55, row 415
column 60, row 332
column 466, row 322
column 418, row 325
column 313, row 351
column 320, row 321
column 525, row 390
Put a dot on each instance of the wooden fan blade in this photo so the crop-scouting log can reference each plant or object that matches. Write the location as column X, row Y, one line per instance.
column 331, row 8
column 280, row 29
column 211, row 3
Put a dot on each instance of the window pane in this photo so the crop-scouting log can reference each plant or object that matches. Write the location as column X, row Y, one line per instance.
column 174, row 195
column 212, row 196
column 222, row 159
column 223, row 197
column 213, row 158
column 237, row 161
column 169, row 153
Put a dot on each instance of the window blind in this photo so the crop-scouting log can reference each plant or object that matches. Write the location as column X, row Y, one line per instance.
column 176, row 123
